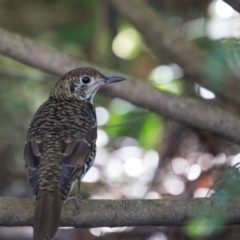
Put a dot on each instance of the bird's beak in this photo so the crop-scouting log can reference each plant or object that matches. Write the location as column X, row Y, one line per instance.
column 113, row 79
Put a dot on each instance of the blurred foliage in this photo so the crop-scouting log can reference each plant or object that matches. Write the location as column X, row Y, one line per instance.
column 71, row 34
column 151, row 132
column 228, row 186
column 88, row 29
column 202, row 227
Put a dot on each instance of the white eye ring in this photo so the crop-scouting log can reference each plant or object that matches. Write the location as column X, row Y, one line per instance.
column 86, row 79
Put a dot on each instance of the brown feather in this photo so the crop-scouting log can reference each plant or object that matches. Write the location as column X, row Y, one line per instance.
column 73, row 159
column 47, row 215
column 31, row 160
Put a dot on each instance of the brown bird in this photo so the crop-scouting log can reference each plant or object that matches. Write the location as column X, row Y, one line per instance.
column 60, row 146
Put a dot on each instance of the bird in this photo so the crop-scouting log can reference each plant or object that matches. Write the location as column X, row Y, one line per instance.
column 61, row 144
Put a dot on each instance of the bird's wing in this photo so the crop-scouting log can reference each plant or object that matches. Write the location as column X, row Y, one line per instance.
column 32, row 156
column 76, row 151
column 32, row 151
column 34, row 143
column 77, row 146
column 35, row 136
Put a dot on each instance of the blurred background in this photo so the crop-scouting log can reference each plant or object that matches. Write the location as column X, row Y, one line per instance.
column 140, row 154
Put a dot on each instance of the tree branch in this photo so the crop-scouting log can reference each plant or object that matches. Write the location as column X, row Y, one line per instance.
column 200, row 67
column 116, row 213
column 139, row 92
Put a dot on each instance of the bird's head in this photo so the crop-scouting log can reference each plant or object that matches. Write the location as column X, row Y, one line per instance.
column 82, row 84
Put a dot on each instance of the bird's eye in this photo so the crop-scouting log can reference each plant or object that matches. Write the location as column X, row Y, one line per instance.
column 86, row 79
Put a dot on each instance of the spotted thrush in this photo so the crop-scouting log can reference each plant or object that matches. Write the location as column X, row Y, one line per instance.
column 61, row 144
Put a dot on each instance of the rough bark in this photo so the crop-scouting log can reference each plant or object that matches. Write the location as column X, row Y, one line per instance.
column 116, row 213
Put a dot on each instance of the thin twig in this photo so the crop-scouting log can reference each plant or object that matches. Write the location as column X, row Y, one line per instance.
column 126, row 123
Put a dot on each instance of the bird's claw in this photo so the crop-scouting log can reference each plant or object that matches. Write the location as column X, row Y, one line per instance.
column 77, row 200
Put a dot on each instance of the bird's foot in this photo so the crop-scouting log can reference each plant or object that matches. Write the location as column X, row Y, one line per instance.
column 77, row 200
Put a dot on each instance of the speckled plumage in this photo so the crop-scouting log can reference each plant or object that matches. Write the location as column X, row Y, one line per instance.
column 60, row 145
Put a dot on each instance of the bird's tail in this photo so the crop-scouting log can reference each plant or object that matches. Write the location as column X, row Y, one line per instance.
column 47, row 215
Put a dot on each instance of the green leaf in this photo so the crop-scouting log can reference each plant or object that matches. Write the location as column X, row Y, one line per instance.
column 150, row 133
column 199, row 227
